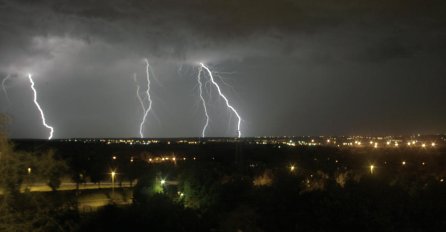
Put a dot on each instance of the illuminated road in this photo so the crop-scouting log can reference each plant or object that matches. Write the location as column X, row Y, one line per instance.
column 43, row 187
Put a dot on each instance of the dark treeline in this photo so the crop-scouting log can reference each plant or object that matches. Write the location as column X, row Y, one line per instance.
column 246, row 187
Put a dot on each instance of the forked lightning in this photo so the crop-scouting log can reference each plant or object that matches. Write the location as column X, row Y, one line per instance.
column 203, row 102
column 39, row 108
column 239, row 134
column 147, row 110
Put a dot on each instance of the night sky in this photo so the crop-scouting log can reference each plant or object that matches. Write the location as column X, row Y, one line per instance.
column 291, row 67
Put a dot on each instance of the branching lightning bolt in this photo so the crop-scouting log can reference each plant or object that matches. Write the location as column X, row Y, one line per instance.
column 146, row 111
column 138, row 95
column 40, row 109
column 224, row 97
column 203, row 101
column 4, row 86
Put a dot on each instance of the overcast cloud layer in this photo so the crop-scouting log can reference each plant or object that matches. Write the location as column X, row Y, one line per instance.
column 309, row 67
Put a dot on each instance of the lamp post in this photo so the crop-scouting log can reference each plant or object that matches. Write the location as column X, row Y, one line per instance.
column 113, row 174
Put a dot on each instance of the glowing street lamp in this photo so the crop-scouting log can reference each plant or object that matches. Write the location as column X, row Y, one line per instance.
column 113, row 174
column 292, row 168
column 372, row 167
column 163, row 182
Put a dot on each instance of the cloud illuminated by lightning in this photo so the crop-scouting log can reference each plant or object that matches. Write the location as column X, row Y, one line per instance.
column 146, row 111
column 39, row 108
column 224, row 97
column 4, row 86
column 202, row 101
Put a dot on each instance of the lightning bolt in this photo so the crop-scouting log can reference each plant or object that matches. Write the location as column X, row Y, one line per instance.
column 138, row 95
column 40, row 109
column 224, row 98
column 146, row 111
column 202, row 101
column 140, row 101
column 4, row 87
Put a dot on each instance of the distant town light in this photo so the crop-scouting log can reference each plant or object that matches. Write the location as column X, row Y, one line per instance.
column 372, row 167
column 403, row 163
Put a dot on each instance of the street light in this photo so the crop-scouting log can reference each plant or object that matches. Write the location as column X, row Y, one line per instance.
column 372, row 167
column 113, row 174
column 163, row 182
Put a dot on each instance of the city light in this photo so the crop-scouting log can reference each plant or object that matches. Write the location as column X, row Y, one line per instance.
column 292, row 168
column 403, row 163
column 372, row 167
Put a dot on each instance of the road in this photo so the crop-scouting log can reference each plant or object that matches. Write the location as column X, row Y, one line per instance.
column 43, row 187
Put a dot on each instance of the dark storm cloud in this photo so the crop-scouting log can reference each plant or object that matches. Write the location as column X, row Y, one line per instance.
column 319, row 56
column 173, row 27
